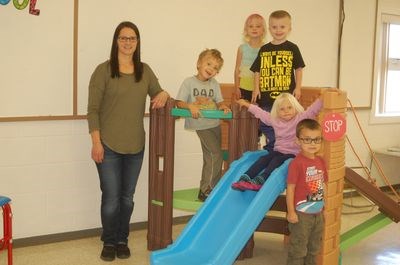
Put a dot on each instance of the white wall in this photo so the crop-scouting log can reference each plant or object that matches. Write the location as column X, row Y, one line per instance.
column 45, row 167
column 357, row 50
column 379, row 136
column 174, row 32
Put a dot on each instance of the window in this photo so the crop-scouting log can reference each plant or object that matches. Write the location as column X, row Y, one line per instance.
column 390, row 71
column 386, row 107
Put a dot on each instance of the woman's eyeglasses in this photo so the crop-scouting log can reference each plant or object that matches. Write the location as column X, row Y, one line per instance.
column 126, row 39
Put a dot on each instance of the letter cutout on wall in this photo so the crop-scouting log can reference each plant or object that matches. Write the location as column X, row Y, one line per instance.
column 22, row 5
column 32, row 9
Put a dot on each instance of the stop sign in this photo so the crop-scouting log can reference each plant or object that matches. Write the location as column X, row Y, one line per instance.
column 333, row 126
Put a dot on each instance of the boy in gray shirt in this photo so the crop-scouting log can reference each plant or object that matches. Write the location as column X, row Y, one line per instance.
column 199, row 92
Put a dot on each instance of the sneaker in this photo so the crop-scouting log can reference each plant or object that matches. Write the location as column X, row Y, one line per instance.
column 108, row 253
column 238, row 185
column 259, row 180
column 250, row 186
column 245, row 177
column 123, row 251
column 202, row 196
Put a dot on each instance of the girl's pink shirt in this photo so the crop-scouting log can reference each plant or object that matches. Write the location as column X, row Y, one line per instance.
column 285, row 131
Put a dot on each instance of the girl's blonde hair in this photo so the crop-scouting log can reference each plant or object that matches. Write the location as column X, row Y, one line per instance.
column 250, row 18
column 278, row 101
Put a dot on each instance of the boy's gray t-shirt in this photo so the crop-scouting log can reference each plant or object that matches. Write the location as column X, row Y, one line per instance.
column 205, row 93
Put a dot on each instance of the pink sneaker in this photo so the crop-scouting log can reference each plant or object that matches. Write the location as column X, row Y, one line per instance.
column 238, row 185
column 250, row 186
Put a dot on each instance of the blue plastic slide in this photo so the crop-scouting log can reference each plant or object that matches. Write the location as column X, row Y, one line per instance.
column 220, row 229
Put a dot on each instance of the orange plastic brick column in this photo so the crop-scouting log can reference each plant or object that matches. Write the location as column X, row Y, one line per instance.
column 334, row 156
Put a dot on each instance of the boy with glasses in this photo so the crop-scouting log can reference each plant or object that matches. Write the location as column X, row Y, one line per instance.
column 306, row 181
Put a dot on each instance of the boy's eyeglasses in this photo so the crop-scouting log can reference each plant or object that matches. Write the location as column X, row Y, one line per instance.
column 316, row 140
column 125, row 39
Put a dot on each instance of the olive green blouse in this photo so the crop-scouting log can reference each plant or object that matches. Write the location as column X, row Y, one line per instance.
column 116, row 107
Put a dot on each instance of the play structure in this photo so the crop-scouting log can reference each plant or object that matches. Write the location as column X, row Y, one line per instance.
column 226, row 221
column 221, row 231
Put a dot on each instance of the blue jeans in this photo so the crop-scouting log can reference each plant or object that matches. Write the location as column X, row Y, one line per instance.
column 118, row 175
column 265, row 164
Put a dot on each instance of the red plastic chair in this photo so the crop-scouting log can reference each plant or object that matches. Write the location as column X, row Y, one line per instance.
column 6, row 241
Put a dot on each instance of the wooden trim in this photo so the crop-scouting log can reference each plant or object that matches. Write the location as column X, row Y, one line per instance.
column 75, row 60
column 43, row 118
column 74, row 115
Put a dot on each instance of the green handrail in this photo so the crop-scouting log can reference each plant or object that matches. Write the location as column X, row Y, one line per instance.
column 209, row 114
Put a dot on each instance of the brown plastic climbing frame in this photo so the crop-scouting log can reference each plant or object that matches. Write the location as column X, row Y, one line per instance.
column 241, row 132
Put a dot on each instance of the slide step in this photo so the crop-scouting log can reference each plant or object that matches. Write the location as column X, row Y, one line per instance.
column 187, row 200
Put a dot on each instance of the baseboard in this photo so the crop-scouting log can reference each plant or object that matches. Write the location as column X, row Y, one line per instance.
column 53, row 238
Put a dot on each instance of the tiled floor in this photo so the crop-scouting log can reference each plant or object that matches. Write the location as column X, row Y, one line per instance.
column 381, row 248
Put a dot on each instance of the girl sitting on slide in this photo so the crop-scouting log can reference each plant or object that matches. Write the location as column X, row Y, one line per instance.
column 286, row 112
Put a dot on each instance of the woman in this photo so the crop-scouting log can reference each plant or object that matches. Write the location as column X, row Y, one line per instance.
column 117, row 97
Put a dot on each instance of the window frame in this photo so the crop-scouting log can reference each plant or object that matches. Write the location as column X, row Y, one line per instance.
column 385, row 17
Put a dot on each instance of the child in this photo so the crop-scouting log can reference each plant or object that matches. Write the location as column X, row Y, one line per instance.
column 198, row 92
column 306, row 181
column 277, row 68
column 253, row 34
column 285, row 114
